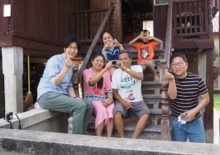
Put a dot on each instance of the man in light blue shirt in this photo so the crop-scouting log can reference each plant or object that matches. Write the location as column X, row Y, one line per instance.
column 55, row 89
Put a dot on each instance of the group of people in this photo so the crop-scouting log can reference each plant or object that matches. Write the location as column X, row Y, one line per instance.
column 112, row 88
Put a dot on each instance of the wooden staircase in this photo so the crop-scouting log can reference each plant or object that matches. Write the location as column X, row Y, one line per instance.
column 154, row 93
column 151, row 92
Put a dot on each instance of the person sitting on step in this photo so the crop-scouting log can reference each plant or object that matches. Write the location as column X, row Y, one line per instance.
column 97, row 84
column 110, row 49
column 145, row 45
column 126, row 85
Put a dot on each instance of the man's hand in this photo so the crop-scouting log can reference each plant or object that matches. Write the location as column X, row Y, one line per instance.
column 190, row 115
column 168, row 75
column 127, row 105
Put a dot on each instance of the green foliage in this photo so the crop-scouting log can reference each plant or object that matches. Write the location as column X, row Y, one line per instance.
column 217, row 102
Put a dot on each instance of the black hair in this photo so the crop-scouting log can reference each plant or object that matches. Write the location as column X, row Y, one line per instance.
column 181, row 55
column 125, row 52
column 100, row 82
column 70, row 39
column 146, row 31
column 106, row 32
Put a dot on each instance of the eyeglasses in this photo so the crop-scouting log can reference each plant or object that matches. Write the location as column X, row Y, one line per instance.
column 180, row 64
column 72, row 48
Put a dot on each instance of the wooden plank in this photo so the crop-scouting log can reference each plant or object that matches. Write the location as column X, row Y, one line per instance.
column 2, row 99
column 208, row 118
column 192, row 43
column 94, row 42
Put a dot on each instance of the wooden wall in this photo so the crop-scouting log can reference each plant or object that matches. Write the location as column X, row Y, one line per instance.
column 160, row 22
column 38, row 25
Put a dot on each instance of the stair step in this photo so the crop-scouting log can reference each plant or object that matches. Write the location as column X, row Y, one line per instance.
column 152, row 96
column 150, row 85
column 149, row 128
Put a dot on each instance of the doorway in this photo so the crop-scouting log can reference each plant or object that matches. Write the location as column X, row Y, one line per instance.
column 134, row 13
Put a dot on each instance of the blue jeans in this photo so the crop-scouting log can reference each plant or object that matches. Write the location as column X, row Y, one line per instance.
column 193, row 130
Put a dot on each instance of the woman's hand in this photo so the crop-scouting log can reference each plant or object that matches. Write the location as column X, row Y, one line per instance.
column 108, row 102
column 108, row 65
column 68, row 62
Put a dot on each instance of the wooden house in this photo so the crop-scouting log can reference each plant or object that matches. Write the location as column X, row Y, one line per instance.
column 36, row 27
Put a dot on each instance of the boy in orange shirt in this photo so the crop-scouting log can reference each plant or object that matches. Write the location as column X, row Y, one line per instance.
column 145, row 45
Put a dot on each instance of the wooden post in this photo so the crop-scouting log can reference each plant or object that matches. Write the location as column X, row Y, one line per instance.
column 2, row 102
column 76, row 80
column 12, row 64
column 208, row 115
column 165, row 120
column 117, row 20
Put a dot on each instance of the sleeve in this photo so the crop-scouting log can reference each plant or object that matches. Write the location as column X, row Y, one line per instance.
column 138, row 68
column 202, row 87
column 114, row 83
column 87, row 76
column 107, row 79
column 70, row 87
column 52, row 70
column 155, row 44
column 135, row 46
column 100, row 50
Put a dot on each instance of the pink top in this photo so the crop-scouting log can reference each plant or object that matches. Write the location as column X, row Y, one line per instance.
column 92, row 92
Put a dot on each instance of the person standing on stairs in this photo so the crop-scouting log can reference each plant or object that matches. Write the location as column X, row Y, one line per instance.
column 98, row 90
column 126, row 85
column 55, row 90
column 110, row 49
column 189, row 95
column 145, row 45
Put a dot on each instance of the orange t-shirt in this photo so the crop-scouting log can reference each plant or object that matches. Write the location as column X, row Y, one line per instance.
column 145, row 51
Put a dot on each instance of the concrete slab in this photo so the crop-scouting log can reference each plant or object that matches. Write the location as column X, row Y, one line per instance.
column 47, row 143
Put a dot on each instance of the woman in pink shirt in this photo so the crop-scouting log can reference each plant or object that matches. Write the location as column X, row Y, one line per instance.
column 97, row 84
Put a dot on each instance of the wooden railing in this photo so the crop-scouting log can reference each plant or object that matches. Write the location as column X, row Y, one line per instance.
column 77, row 76
column 85, row 23
column 190, row 18
column 165, row 122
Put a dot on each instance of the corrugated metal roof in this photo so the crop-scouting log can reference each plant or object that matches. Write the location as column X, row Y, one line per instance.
column 215, row 22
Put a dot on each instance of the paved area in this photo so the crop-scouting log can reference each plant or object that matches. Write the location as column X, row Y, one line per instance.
column 215, row 126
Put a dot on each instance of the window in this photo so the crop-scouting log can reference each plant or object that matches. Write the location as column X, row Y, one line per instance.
column 161, row 2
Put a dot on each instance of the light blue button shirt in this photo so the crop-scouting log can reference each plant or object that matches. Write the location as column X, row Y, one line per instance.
column 53, row 67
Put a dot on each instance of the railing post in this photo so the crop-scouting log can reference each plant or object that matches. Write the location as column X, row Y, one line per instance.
column 165, row 119
column 76, row 80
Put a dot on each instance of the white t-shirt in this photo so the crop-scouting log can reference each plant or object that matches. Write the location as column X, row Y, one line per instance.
column 128, row 87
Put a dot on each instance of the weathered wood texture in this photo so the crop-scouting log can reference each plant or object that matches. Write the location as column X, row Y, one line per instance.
column 38, row 25
column 160, row 21
column 190, row 24
column 209, row 81
column 2, row 103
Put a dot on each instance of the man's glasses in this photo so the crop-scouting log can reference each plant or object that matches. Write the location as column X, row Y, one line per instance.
column 180, row 64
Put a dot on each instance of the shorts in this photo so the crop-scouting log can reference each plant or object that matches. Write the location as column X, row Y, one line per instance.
column 139, row 109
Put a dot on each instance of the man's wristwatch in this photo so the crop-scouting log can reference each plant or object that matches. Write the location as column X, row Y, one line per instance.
column 127, row 70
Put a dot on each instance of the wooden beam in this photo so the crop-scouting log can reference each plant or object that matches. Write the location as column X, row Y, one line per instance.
column 193, row 43
column 95, row 40
column 118, row 20
column 209, row 81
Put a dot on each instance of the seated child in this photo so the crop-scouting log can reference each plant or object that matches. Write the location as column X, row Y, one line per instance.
column 145, row 45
